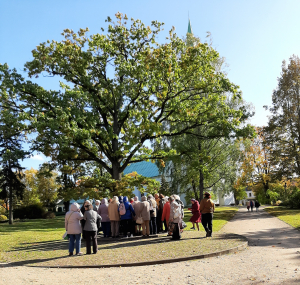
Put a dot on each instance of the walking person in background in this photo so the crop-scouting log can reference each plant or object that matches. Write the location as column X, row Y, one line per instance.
column 114, row 217
column 251, row 205
column 196, row 218
column 73, row 228
column 248, row 205
column 257, row 205
column 207, row 208
column 105, row 222
column 90, row 216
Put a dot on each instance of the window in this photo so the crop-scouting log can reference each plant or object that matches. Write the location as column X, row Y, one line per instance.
column 249, row 194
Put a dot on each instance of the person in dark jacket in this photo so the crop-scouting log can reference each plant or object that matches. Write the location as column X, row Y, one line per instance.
column 90, row 216
column 257, row 205
column 251, row 205
column 126, row 219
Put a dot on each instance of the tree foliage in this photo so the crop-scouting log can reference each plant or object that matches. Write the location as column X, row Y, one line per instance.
column 121, row 87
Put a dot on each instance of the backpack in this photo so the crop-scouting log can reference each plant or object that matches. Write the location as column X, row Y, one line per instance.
column 122, row 209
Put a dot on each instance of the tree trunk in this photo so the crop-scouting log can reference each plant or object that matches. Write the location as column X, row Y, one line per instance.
column 67, row 205
column 201, row 184
column 10, row 200
column 116, row 175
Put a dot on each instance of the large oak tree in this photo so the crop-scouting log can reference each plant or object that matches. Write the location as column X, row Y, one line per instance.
column 119, row 88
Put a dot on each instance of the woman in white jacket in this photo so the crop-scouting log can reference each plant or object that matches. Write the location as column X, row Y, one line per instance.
column 73, row 228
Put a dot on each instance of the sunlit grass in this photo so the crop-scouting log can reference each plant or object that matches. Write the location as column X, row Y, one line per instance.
column 290, row 216
column 35, row 241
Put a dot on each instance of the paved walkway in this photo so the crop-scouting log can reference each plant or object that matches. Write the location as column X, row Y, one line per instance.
column 273, row 257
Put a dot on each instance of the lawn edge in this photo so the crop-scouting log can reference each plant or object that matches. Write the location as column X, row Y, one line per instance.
column 241, row 247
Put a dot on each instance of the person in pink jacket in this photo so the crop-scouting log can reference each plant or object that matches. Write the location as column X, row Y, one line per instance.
column 73, row 228
column 166, row 212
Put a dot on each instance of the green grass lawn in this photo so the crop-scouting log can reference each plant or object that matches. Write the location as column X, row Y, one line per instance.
column 290, row 216
column 39, row 242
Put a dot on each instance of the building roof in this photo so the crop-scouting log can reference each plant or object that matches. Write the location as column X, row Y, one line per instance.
column 145, row 168
column 190, row 28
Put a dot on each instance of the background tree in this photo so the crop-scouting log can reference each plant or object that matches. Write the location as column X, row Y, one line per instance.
column 284, row 124
column 122, row 87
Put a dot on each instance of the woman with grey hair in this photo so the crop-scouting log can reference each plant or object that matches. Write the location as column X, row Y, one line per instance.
column 90, row 227
column 174, row 219
column 145, row 213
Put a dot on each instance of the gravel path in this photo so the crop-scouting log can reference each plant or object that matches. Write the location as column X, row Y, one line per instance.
column 273, row 257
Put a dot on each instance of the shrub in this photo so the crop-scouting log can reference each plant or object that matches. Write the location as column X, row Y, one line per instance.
column 49, row 215
column 3, row 218
column 294, row 198
column 35, row 211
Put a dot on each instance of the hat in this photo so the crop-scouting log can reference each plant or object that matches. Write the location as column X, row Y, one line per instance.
column 193, row 199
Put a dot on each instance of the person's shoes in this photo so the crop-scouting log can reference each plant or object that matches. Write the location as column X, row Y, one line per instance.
column 208, row 234
column 79, row 253
column 192, row 228
column 70, row 253
column 131, row 236
column 125, row 237
column 95, row 252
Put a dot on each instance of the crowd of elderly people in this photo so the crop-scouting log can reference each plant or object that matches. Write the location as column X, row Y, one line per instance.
column 120, row 217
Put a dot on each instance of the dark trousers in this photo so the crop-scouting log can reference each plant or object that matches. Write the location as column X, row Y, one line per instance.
column 153, row 228
column 91, row 235
column 106, row 229
column 159, row 222
column 176, row 232
column 206, row 220
column 127, row 227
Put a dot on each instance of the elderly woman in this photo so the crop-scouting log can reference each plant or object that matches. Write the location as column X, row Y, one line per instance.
column 90, row 216
column 103, row 212
column 136, row 207
column 175, row 218
column 196, row 218
column 166, row 212
column 96, row 206
column 73, row 228
column 114, row 216
column 153, row 213
column 145, row 213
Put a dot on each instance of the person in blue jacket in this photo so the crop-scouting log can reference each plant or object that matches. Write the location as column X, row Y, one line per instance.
column 126, row 218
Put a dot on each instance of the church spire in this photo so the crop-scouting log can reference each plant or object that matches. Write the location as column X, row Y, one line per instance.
column 189, row 27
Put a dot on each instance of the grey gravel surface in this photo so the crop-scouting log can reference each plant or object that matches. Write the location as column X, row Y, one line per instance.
column 273, row 257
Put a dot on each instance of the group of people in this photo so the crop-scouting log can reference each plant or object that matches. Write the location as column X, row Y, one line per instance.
column 119, row 216
column 250, row 204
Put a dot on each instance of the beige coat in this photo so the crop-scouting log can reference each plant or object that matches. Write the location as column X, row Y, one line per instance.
column 113, row 213
column 137, row 209
column 154, row 208
column 145, row 210
column 72, row 220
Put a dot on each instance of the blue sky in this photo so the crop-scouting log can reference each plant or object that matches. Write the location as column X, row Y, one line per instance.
column 254, row 36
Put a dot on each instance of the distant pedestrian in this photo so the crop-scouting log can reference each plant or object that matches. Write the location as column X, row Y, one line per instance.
column 257, row 205
column 207, row 208
column 248, row 205
column 251, row 205
column 196, row 218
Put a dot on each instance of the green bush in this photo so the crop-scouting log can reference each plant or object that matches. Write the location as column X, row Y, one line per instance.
column 35, row 211
column 294, row 198
column 3, row 218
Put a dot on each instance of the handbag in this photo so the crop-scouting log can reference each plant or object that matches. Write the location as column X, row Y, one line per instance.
column 139, row 220
column 65, row 235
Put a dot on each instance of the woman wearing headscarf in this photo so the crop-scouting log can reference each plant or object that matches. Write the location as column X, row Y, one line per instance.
column 73, row 228
column 207, row 208
column 105, row 222
column 126, row 218
column 175, row 218
column 145, row 213
column 90, row 216
column 196, row 218
column 136, row 207
column 96, row 206
column 153, row 213
column 114, row 216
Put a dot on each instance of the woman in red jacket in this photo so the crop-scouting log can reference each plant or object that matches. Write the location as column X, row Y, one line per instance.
column 166, row 212
column 196, row 218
